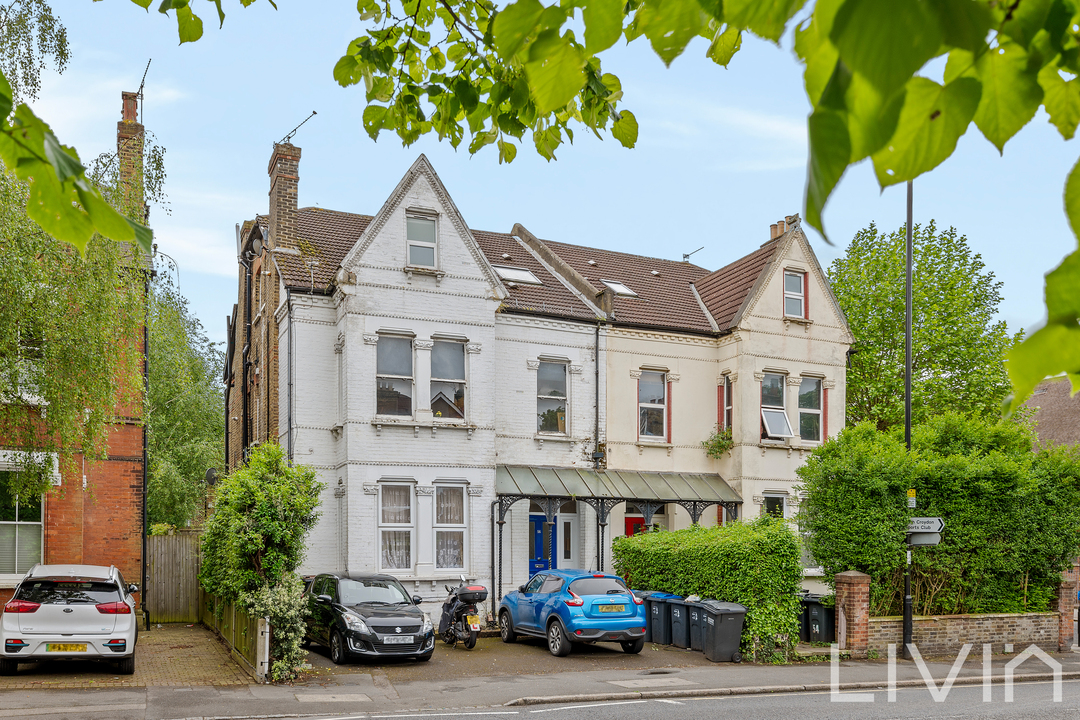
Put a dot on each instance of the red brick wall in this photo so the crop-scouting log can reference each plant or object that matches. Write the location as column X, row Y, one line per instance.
column 853, row 604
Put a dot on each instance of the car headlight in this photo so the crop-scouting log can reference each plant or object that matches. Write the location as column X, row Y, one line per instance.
column 355, row 622
column 428, row 627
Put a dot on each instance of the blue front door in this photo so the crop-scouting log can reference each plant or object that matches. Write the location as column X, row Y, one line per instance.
column 539, row 545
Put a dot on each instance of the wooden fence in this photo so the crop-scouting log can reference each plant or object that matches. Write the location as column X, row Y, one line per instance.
column 247, row 636
column 172, row 572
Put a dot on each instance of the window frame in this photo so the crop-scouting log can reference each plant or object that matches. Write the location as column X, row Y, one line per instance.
column 619, row 288
column 565, row 398
column 464, row 381
column 812, row 411
column 766, row 410
column 463, row 527
column 411, row 378
column 729, row 404
column 433, row 218
column 506, row 274
column 800, row 296
column 397, row 527
column 13, row 461
column 662, row 437
column 775, row 495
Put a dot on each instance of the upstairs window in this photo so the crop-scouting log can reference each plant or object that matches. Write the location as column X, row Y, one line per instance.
column 448, row 380
column 652, row 405
column 421, row 236
column 729, row 403
column 551, row 397
column 774, row 420
column 517, row 275
column 394, row 376
column 619, row 288
column 810, row 409
column 794, row 294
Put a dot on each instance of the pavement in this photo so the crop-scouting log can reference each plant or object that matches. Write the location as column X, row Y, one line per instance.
column 181, row 674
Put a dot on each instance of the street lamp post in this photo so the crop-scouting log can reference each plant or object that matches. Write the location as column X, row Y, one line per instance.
column 907, row 419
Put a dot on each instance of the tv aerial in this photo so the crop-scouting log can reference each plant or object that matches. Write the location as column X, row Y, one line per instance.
column 289, row 137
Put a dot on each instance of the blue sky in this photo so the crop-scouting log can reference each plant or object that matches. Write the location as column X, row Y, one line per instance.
column 721, row 153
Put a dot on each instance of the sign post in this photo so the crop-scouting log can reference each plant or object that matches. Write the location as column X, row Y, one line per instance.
column 921, row 531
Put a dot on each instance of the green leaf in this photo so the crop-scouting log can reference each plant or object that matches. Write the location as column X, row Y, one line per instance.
column 144, row 236
column 189, row 25
column 724, row 45
column 65, row 161
column 348, row 71
column 964, row 23
column 1061, row 99
column 1049, row 351
column 507, row 152
column 50, row 205
column 1063, row 290
column 932, row 120
column 1026, row 19
column 830, row 153
column 1010, row 93
column 871, row 119
column 554, row 71
column 625, row 129
column 106, row 220
column 819, row 55
column 513, row 25
column 603, row 24
column 466, row 94
column 767, row 18
column 6, row 101
column 886, row 42
column 144, row 4
column 373, row 120
column 1072, row 199
column 670, row 25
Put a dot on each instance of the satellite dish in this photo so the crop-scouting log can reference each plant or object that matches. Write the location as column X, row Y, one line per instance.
column 211, row 477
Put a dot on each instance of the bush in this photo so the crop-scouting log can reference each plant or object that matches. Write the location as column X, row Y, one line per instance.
column 1012, row 514
column 254, row 542
column 753, row 563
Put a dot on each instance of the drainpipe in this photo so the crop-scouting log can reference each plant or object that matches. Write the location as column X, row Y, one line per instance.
column 494, row 503
column 145, row 437
column 246, row 421
column 288, row 301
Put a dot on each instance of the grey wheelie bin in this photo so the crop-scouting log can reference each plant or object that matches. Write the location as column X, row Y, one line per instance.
column 680, row 622
column 723, row 630
column 697, row 625
column 659, row 613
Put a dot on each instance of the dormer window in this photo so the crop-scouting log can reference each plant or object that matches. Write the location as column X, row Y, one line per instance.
column 619, row 288
column 517, row 275
column 421, row 238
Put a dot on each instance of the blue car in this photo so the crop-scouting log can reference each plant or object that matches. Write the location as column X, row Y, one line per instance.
column 574, row 606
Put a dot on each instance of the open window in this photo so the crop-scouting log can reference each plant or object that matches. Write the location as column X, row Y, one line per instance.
column 774, row 419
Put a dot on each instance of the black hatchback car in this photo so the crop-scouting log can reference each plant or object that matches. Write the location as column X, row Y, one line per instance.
column 367, row 615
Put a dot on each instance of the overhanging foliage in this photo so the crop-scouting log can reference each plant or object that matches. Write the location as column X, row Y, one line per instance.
column 1012, row 515
column 753, row 563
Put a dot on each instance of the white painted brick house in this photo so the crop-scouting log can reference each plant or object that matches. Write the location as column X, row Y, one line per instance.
column 489, row 404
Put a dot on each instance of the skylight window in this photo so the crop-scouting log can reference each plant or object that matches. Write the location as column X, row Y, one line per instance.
column 619, row 288
column 518, row 275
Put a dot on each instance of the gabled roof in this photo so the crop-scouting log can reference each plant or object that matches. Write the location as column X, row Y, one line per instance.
column 1057, row 415
column 663, row 300
column 725, row 290
column 553, row 298
column 326, row 236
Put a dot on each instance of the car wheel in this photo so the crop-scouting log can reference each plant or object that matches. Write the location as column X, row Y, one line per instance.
column 633, row 648
column 126, row 666
column 506, row 627
column 337, row 648
column 8, row 667
column 558, row 643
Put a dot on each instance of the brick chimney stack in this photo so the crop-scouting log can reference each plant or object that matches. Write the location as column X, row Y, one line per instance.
column 129, row 152
column 284, row 173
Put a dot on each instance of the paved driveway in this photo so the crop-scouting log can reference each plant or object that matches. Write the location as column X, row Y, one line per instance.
column 174, row 655
column 492, row 656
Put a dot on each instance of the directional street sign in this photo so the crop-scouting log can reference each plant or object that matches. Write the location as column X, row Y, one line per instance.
column 925, row 525
column 921, row 538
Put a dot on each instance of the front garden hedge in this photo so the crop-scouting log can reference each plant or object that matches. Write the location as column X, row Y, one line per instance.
column 753, row 563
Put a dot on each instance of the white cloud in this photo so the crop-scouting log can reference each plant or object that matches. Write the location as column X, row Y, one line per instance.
column 198, row 249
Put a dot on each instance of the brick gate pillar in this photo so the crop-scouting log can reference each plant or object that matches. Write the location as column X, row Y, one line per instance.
column 853, row 612
column 1066, row 604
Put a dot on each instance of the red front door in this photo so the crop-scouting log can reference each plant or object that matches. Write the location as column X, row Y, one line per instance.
column 634, row 525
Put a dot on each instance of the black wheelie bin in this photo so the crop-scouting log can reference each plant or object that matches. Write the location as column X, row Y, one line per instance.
column 680, row 622
column 723, row 630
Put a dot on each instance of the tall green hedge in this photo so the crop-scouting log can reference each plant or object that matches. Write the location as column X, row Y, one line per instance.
column 1011, row 512
column 753, row 563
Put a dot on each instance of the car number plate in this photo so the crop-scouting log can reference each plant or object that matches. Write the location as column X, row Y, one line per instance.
column 65, row 647
column 612, row 608
column 398, row 639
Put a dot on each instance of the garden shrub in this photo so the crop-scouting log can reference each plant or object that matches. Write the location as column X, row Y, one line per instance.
column 254, row 541
column 753, row 563
column 1011, row 512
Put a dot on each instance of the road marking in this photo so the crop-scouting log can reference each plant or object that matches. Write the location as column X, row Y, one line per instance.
column 20, row 712
column 652, row 682
column 582, row 707
column 454, row 714
column 314, row 697
column 673, row 702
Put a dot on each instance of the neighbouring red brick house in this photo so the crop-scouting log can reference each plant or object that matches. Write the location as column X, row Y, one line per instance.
column 95, row 514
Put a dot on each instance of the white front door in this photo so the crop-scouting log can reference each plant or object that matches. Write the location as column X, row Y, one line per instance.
column 569, row 541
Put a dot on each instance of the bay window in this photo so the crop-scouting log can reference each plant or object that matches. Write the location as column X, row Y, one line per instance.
column 396, row 526
column 810, row 409
column 450, row 527
column 448, row 380
column 394, row 376
column 774, row 419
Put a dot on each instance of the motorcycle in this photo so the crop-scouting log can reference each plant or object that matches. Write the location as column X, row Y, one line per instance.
column 460, row 620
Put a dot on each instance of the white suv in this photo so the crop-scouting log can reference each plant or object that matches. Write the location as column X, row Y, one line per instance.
column 70, row 612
